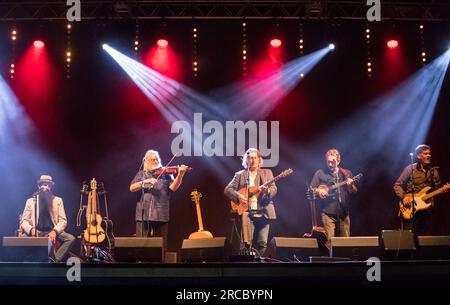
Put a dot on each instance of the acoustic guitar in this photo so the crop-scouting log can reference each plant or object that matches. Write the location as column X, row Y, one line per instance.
column 201, row 233
column 94, row 233
column 407, row 211
column 253, row 193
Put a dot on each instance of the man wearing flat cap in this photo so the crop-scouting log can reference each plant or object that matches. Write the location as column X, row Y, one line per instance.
column 44, row 216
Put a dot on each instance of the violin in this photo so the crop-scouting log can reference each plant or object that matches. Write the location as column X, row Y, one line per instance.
column 169, row 170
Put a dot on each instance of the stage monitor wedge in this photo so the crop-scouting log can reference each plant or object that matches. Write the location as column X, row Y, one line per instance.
column 292, row 248
column 203, row 250
column 398, row 244
column 358, row 248
column 138, row 249
column 25, row 249
column 434, row 247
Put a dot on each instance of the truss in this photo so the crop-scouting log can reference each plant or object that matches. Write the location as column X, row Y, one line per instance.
column 431, row 10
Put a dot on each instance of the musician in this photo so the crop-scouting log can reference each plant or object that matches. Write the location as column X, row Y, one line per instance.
column 44, row 215
column 423, row 175
column 255, row 222
column 334, row 204
column 152, row 209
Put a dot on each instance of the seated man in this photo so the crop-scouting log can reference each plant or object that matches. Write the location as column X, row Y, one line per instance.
column 44, row 216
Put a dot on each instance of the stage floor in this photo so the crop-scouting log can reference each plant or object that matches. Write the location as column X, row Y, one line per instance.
column 242, row 274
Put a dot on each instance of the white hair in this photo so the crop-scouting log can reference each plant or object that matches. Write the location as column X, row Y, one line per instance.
column 151, row 152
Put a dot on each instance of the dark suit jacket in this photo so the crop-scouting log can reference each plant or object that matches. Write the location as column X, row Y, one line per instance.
column 240, row 181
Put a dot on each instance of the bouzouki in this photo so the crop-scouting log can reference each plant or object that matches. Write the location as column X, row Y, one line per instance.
column 407, row 211
column 94, row 233
column 328, row 188
column 253, row 192
column 201, row 233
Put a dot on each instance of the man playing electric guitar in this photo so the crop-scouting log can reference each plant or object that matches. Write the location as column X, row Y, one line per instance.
column 414, row 178
column 334, row 202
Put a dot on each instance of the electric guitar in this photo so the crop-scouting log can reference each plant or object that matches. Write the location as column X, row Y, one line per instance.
column 420, row 201
column 201, row 233
column 328, row 188
column 253, row 193
column 94, row 233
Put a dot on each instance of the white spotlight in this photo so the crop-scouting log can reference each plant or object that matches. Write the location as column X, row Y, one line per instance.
column 331, row 46
column 104, row 46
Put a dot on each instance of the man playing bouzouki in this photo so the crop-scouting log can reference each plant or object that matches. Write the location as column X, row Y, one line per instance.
column 256, row 219
column 413, row 179
column 334, row 204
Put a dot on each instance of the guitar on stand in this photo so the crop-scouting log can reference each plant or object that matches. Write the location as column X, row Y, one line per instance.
column 97, row 238
column 317, row 231
column 201, row 233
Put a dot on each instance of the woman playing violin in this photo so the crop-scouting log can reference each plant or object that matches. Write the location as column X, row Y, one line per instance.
column 155, row 185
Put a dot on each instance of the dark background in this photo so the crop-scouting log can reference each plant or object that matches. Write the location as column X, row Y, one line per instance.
column 98, row 124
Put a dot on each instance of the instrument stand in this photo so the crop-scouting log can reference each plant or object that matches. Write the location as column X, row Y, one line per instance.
column 236, row 233
column 240, row 251
column 95, row 253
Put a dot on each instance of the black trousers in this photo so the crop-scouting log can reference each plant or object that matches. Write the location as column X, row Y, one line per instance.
column 153, row 229
column 420, row 224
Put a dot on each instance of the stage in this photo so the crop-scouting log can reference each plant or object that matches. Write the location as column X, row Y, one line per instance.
column 229, row 274
column 162, row 145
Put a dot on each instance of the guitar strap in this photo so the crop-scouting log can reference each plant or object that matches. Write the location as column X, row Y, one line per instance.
column 432, row 177
column 345, row 172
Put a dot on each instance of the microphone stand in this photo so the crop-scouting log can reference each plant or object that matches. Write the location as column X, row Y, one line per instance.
column 248, row 251
column 338, row 231
column 35, row 215
column 413, row 203
column 142, row 198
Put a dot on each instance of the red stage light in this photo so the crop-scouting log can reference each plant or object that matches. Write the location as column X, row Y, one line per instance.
column 275, row 43
column 38, row 44
column 162, row 43
column 392, row 44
